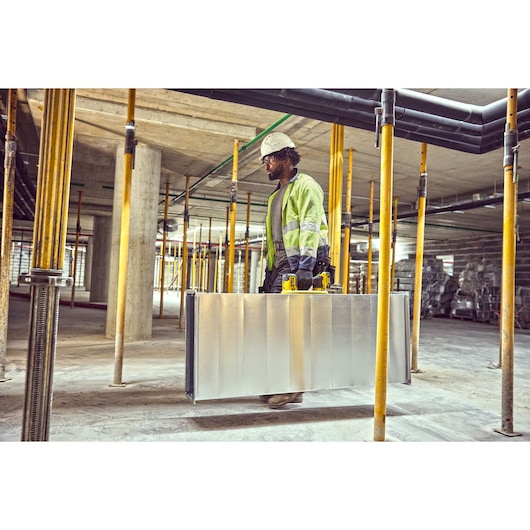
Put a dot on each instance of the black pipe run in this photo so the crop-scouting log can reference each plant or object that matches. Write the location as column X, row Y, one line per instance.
column 461, row 206
column 419, row 117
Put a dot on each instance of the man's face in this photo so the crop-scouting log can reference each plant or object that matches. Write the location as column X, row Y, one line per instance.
column 274, row 166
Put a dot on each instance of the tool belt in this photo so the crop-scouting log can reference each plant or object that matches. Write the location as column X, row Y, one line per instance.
column 272, row 275
column 323, row 264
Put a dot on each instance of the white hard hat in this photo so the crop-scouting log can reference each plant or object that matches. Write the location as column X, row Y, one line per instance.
column 275, row 142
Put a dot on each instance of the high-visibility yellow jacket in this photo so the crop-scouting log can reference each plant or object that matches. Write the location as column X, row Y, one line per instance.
column 304, row 224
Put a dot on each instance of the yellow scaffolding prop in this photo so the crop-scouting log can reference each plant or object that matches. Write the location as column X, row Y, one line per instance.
column 124, row 239
column 246, row 277
column 347, row 229
column 418, row 277
column 383, row 286
column 368, row 289
column 511, row 148
column 233, row 203
column 163, row 254
column 7, row 223
column 184, row 264
column 51, row 216
column 394, row 240
column 335, row 195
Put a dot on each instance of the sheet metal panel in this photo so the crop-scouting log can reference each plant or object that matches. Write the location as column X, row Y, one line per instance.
column 250, row 344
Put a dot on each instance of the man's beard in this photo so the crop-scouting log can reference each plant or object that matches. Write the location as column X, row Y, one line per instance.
column 274, row 174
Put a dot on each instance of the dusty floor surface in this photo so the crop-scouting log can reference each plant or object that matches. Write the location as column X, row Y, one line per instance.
column 456, row 397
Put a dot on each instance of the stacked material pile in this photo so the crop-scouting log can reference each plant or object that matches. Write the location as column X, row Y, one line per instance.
column 477, row 297
column 438, row 287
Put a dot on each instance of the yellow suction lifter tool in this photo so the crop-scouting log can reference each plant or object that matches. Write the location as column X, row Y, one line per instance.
column 320, row 284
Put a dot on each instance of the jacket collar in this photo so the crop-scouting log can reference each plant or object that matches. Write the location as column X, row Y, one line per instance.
column 293, row 178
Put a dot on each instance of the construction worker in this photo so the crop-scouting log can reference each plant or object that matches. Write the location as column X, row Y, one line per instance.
column 296, row 227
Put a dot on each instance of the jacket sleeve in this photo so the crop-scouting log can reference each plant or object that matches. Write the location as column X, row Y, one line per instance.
column 311, row 212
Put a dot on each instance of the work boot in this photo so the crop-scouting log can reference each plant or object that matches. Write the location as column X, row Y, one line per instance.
column 279, row 400
column 265, row 398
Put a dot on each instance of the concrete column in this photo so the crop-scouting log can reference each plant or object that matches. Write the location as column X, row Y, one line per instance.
column 89, row 253
column 101, row 243
column 145, row 187
column 255, row 265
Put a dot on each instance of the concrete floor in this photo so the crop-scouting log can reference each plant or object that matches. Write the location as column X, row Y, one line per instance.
column 456, row 397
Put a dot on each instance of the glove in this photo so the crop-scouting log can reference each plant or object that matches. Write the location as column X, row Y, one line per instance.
column 304, row 279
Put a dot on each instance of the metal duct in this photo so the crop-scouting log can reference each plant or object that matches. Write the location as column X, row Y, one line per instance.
column 419, row 117
column 241, row 345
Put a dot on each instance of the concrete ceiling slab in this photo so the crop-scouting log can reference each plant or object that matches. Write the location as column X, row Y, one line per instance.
column 196, row 137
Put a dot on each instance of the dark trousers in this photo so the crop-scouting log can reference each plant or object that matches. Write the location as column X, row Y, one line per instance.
column 273, row 279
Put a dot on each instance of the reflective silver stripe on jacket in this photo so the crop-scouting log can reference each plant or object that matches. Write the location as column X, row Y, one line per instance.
column 310, row 227
column 291, row 225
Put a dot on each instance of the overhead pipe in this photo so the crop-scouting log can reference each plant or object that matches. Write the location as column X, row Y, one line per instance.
column 455, row 110
column 347, row 228
column 323, row 105
column 272, row 101
column 426, row 118
column 7, row 223
column 437, row 113
column 443, row 128
column 511, row 148
column 455, row 137
column 458, row 112
column 470, row 114
column 428, row 103
column 383, row 288
column 418, row 277
column 463, row 206
column 128, row 163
